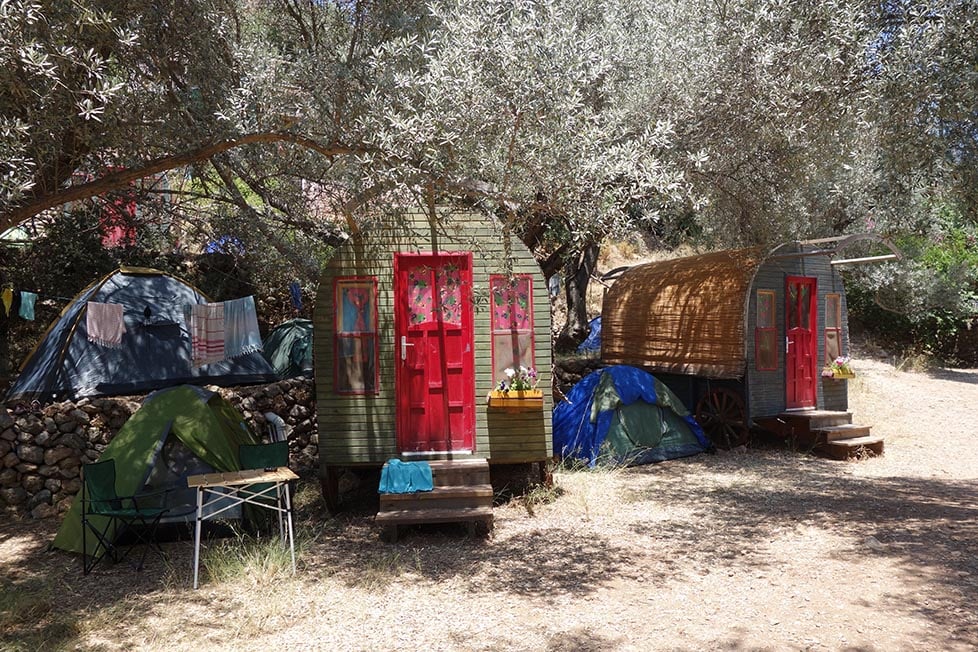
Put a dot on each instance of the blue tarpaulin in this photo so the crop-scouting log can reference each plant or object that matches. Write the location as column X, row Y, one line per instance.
column 593, row 341
column 627, row 416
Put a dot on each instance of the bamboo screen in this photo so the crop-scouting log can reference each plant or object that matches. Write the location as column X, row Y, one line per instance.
column 682, row 316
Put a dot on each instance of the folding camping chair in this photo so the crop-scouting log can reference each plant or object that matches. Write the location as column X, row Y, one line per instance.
column 262, row 456
column 118, row 513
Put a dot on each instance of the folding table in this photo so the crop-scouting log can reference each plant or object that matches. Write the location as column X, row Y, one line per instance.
column 234, row 488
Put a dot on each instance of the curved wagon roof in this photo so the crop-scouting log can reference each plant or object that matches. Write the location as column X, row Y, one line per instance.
column 682, row 316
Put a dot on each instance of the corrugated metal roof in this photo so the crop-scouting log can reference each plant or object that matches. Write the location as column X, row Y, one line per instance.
column 681, row 316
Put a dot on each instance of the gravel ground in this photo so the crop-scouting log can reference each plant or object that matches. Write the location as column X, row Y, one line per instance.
column 757, row 549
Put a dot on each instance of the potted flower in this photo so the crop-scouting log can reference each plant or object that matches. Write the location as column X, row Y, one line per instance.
column 517, row 391
column 839, row 368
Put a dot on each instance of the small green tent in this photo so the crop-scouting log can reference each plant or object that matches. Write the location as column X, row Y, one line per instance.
column 288, row 348
column 178, row 431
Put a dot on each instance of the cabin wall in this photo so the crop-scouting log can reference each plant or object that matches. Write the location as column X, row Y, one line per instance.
column 766, row 389
column 360, row 429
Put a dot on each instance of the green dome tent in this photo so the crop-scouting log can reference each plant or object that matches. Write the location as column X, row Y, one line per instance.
column 177, row 432
column 288, row 348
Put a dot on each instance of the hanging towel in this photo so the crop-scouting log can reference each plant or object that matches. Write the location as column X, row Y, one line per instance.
column 7, row 296
column 295, row 292
column 27, row 300
column 104, row 324
column 207, row 333
column 399, row 477
column 241, row 334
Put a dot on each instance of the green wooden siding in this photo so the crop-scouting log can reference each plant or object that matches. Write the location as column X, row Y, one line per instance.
column 361, row 429
column 766, row 389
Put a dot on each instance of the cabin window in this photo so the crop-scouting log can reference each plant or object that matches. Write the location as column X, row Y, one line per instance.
column 765, row 333
column 511, row 300
column 833, row 327
column 356, row 336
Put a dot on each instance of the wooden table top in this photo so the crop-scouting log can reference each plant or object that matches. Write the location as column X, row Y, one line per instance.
column 247, row 476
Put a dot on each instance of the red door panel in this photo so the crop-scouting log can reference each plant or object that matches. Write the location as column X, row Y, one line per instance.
column 435, row 370
column 800, row 327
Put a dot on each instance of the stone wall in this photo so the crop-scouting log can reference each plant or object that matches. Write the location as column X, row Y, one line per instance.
column 41, row 451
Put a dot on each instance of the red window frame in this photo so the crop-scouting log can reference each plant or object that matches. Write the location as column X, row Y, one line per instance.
column 359, row 329
column 513, row 330
column 766, row 332
column 833, row 325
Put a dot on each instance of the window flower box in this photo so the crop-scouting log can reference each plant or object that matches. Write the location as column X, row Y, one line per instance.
column 516, row 400
column 839, row 369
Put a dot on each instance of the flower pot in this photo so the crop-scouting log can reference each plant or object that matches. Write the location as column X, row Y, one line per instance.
column 516, row 400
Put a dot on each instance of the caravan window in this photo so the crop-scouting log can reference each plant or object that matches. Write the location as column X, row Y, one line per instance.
column 355, row 355
column 765, row 333
column 511, row 303
column 833, row 327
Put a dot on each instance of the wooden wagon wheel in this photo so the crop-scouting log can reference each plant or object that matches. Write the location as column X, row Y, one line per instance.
column 723, row 416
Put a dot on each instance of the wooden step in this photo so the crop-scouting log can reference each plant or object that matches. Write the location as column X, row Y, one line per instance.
column 440, row 497
column 453, row 473
column 816, row 419
column 846, row 431
column 843, row 449
column 421, row 516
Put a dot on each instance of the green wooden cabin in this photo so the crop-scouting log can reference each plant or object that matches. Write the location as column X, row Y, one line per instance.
column 416, row 322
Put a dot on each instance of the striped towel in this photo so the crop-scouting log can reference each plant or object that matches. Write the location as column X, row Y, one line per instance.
column 207, row 333
column 241, row 334
column 104, row 324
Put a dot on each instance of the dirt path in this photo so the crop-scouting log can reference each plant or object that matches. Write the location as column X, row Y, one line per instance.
column 764, row 549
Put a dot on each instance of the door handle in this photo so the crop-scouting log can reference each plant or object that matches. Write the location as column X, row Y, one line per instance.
column 786, row 343
column 404, row 345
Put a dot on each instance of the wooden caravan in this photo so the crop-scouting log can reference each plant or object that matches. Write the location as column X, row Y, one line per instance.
column 745, row 337
column 415, row 323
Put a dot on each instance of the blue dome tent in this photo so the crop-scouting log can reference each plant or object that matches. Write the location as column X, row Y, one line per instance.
column 625, row 416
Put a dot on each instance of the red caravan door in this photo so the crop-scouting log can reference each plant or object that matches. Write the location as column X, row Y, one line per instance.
column 800, row 314
column 435, row 377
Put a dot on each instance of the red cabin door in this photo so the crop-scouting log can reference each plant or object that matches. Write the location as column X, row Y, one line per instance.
column 434, row 362
column 802, row 350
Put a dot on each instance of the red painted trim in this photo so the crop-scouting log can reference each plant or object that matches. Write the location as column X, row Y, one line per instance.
column 530, row 330
column 808, row 394
column 362, row 336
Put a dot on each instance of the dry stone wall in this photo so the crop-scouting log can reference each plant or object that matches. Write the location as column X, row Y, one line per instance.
column 42, row 450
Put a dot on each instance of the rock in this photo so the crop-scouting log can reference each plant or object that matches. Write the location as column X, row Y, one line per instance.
column 44, row 439
column 14, row 496
column 69, row 463
column 30, row 425
column 25, row 437
column 273, row 391
column 32, row 484
column 873, row 544
column 298, row 412
column 26, row 467
column 11, row 460
column 73, row 440
column 9, row 435
column 50, row 425
column 48, row 471
column 54, row 455
column 32, row 454
column 5, row 447
column 71, row 485
column 44, row 511
column 6, row 420
column 79, row 416
column 68, row 426
column 42, row 497
column 64, row 504
column 116, row 421
column 9, row 478
column 52, row 485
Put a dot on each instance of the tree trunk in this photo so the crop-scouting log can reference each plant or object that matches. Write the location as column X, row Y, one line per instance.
column 578, row 272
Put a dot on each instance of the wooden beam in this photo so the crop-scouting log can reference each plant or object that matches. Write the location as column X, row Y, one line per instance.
column 867, row 259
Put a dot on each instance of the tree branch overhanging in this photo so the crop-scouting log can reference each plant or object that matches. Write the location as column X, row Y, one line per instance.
column 114, row 180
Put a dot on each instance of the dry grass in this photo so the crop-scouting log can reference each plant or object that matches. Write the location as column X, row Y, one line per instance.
column 764, row 549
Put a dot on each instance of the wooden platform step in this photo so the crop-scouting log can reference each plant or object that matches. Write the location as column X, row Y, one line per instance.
column 462, row 493
column 843, row 449
column 845, row 431
column 441, row 497
column 809, row 420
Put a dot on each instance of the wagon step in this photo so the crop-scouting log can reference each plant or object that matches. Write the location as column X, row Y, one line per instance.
column 844, row 449
column 845, row 431
column 478, row 519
